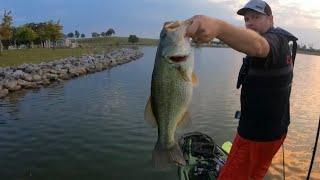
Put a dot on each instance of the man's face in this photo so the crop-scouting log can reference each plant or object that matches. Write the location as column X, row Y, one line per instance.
column 257, row 21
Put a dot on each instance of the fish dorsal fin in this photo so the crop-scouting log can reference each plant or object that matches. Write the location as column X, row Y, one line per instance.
column 148, row 114
column 195, row 80
column 185, row 121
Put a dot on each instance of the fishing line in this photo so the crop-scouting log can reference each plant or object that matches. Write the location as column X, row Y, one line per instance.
column 283, row 163
column 314, row 151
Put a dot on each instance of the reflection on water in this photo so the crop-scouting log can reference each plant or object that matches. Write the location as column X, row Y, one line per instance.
column 92, row 127
column 305, row 112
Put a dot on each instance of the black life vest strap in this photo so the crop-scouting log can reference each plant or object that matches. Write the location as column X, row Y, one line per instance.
column 270, row 72
column 290, row 37
column 244, row 71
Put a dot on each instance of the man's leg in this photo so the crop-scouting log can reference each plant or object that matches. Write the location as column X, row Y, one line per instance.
column 261, row 157
column 237, row 165
column 249, row 159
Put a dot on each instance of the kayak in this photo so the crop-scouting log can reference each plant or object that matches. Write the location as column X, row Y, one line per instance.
column 204, row 158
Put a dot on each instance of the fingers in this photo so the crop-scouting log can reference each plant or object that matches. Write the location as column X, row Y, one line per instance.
column 192, row 28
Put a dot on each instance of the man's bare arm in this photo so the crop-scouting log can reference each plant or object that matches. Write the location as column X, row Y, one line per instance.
column 204, row 28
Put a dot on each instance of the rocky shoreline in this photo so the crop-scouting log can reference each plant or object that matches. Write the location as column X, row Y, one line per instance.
column 34, row 76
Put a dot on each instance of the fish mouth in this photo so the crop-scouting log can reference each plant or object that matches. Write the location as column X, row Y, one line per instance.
column 178, row 58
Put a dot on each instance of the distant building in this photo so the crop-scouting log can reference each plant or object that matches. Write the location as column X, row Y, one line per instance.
column 64, row 42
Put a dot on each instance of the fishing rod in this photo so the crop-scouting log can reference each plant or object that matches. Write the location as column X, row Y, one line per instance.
column 283, row 164
column 314, row 150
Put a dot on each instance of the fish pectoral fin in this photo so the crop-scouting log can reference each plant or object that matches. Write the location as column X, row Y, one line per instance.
column 148, row 114
column 195, row 80
column 185, row 121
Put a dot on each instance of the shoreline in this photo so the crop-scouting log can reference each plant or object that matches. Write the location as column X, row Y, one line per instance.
column 308, row 53
column 35, row 76
column 315, row 53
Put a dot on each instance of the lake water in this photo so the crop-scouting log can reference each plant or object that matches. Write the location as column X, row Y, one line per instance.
column 92, row 127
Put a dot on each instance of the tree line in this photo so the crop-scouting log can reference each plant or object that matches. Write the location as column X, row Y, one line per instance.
column 109, row 32
column 41, row 34
column 76, row 34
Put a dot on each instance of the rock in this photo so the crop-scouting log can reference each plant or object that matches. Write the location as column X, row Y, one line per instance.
column 36, row 77
column 3, row 92
column 68, row 66
column 73, row 72
column 63, row 71
column 82, row 71
column 99, row 56
column 64, row 76
column 99, row 67
column 52, row 71
column 51, row 77
column 22, row 82
column 43, row 82
column 58, row 67
column 12, row 85
column 27, row 85
column 27, row 77
column 13, row 78
column 18, row 74
column 91, row 68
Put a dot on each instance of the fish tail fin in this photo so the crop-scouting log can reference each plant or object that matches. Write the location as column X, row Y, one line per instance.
column 162, row 158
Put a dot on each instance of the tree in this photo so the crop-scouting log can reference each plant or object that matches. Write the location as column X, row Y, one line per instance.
column 54, row 31
column 46, row 32
column 94, row 34
column 25, row 34
column 103, row 34
column 5, row 28
column 42, row 32
column 76, row 34
column 83, row 35
column 133, row 39
column 110, row 32
column 70, row 35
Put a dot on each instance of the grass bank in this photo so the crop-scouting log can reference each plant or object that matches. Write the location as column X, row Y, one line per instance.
column 38, row 55
column 316, row 53
column 114, row 41
column 87, row 45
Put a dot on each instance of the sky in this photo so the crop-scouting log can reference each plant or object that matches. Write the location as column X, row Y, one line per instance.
column 145, row 18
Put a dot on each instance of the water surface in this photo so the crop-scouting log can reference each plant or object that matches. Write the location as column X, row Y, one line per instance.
column 92, row 127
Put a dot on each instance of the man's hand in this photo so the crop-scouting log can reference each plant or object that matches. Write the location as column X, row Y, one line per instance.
column 202, row 28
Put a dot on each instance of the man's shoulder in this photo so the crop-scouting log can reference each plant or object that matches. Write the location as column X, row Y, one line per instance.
column 275, row 37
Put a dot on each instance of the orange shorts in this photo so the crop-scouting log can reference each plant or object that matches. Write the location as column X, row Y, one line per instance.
column 249, row 159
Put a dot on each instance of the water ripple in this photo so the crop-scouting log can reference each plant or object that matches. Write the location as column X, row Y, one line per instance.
column 92, row 127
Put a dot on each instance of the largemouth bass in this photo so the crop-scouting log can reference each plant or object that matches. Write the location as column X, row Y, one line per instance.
column 171, row 91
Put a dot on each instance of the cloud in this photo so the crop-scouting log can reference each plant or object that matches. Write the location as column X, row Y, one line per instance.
column 302, row 18
column 289, row 13
column 295, row 15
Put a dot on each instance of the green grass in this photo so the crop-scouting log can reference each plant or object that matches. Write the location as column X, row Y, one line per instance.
column 38, row 55
column 114, row 41
column 88, row 45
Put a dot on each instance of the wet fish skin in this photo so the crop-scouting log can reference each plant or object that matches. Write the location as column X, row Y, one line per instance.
column 171, row 91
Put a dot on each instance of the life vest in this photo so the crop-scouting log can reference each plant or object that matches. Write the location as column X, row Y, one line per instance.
column 265, row 92
column 246, row 61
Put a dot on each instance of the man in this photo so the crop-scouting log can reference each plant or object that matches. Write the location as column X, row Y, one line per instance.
column 265, row 76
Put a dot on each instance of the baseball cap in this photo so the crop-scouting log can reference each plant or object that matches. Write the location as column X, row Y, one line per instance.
column 256, row 5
